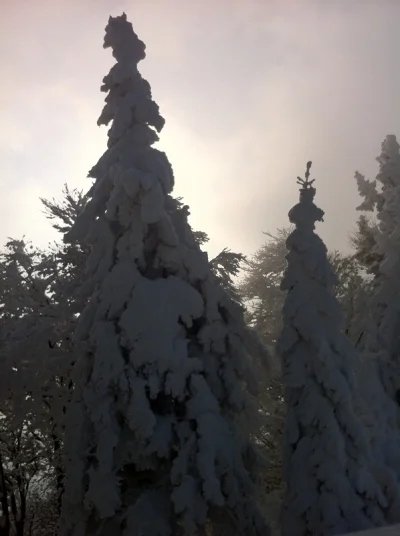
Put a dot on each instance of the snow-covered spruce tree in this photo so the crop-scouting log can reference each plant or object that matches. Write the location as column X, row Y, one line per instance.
column 383, row 197
column 380, row 367
column 332, row 486
column 154, row 434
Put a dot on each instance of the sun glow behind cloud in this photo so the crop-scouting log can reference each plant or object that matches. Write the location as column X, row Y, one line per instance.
column 250, row 91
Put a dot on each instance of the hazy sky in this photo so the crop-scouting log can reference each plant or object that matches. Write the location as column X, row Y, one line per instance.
column 250, row 90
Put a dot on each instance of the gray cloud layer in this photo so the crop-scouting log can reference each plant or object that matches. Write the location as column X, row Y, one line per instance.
column 250, row 91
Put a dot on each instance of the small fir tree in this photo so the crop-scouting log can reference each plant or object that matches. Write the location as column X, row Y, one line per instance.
column 155, row 435
column 328, row 468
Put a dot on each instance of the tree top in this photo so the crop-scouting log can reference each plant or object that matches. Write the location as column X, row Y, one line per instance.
column 121, row 38
column 306, row 213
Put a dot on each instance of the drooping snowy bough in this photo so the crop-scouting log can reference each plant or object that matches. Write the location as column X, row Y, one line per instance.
column 333, row 485
column 155, row 434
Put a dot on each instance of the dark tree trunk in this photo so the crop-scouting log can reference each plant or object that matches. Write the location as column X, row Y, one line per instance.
column 5, row 525
column 21, row 519
column 59, row 470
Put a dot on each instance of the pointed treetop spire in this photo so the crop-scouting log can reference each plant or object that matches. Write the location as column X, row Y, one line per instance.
column 305, row 213
column 129, row 103
column 306, row 184
column 125, row 44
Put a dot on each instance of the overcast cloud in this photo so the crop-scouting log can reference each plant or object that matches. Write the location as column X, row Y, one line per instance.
column 250, row 91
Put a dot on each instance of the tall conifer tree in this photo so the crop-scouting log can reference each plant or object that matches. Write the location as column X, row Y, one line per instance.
column 155, row 436
column 328, row 467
